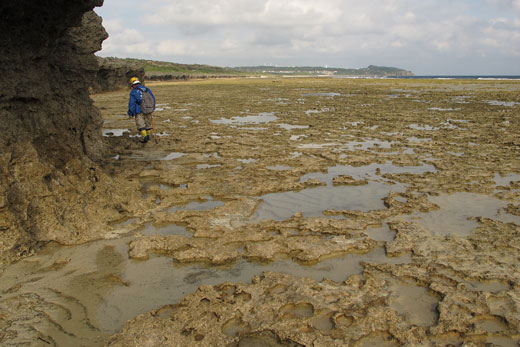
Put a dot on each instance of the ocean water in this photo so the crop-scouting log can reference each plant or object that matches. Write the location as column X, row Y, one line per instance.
column 466, row 77
column 438, row 77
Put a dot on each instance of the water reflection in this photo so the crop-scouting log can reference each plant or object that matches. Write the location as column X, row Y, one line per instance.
column 114, row 132
column 264, row 117
column 312, row 202
column 458, row 213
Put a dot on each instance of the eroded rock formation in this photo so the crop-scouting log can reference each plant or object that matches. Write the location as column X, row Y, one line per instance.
column 114, row 74
column 50, row 127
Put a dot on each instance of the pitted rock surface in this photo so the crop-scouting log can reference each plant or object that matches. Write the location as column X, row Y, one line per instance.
column 460, row 284
column 52, row 187
column 427, row 242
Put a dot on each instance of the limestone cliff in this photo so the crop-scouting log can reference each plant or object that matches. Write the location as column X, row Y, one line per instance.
column 50, row 129
column 114, row 74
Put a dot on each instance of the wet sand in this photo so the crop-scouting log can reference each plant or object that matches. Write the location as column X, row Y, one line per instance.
column 295, row 212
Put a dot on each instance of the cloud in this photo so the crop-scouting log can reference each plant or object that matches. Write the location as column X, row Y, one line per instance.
column 503, row 35
column 235, row 12
column 242, row 32
column 507, row 4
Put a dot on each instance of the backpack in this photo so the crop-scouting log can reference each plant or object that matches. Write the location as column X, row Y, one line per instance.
column 147, row 102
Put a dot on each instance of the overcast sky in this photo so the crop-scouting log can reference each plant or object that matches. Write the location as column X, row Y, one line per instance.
column 424, row 36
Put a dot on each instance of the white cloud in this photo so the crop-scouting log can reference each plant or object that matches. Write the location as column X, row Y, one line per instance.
column 508, row 4
column 502, row 35
column 236, row 12
column 348, row 32
column 122, row 40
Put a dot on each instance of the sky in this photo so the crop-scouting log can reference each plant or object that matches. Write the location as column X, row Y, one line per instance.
column 427, row 37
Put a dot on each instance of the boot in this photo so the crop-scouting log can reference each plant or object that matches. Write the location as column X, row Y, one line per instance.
column 144, row 136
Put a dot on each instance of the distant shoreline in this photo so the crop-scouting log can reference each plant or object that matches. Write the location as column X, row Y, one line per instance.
column 466, row 77
column 436, row 77
column 160, row 78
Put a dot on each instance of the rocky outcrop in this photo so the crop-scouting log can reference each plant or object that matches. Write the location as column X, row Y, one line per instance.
column 50, row 127
column 48, row 61
column 184, row 77
column 114, row 74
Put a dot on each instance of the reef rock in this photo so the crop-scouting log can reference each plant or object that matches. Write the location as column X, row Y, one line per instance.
column 114, row 74
column 50, row 127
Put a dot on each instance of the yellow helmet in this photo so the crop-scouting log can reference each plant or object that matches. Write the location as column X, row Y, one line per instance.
column 134, row 80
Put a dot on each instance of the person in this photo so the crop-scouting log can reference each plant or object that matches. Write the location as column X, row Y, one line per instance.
column 143, row 120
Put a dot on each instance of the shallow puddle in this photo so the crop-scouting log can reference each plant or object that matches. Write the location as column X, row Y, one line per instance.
column 312, row 202
column 381, row 234
column 279, row 167
column 297, row 137
column 114, row 132
column 198, row 206
column 443, row 109
column 323, row 322
column 170, row 229
column 162, row 107
column 503, row 341
column 97, row 281
column 488, row 286
column 371, row 171
column 317, row 145
column 423, row 127
column 309, row 112
column 148, row 154
column 301, row 310
column 207, row 166
column 261, row 339
column 253, row 128
column 458, row 211
column 506, row 180
column 335, row 268
column 330, row 94
column 125, row 222
column 291, row 126
column 234, row 327
column 503, row 103
column 490, row 325
column 414, row 302
column 367, row 144
column 377, row 340
column 173, row 155
column 264, row 117
column 247, row 161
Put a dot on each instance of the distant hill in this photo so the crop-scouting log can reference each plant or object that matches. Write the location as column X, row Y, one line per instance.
column 161, row 70
column 371, row 70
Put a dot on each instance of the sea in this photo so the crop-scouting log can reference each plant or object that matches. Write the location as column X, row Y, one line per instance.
column 443, row 77
column 465, row 77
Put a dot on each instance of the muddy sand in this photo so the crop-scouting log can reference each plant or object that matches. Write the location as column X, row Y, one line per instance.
column 295, row 212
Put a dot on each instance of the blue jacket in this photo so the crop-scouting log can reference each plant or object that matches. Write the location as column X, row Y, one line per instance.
column 136, row 97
